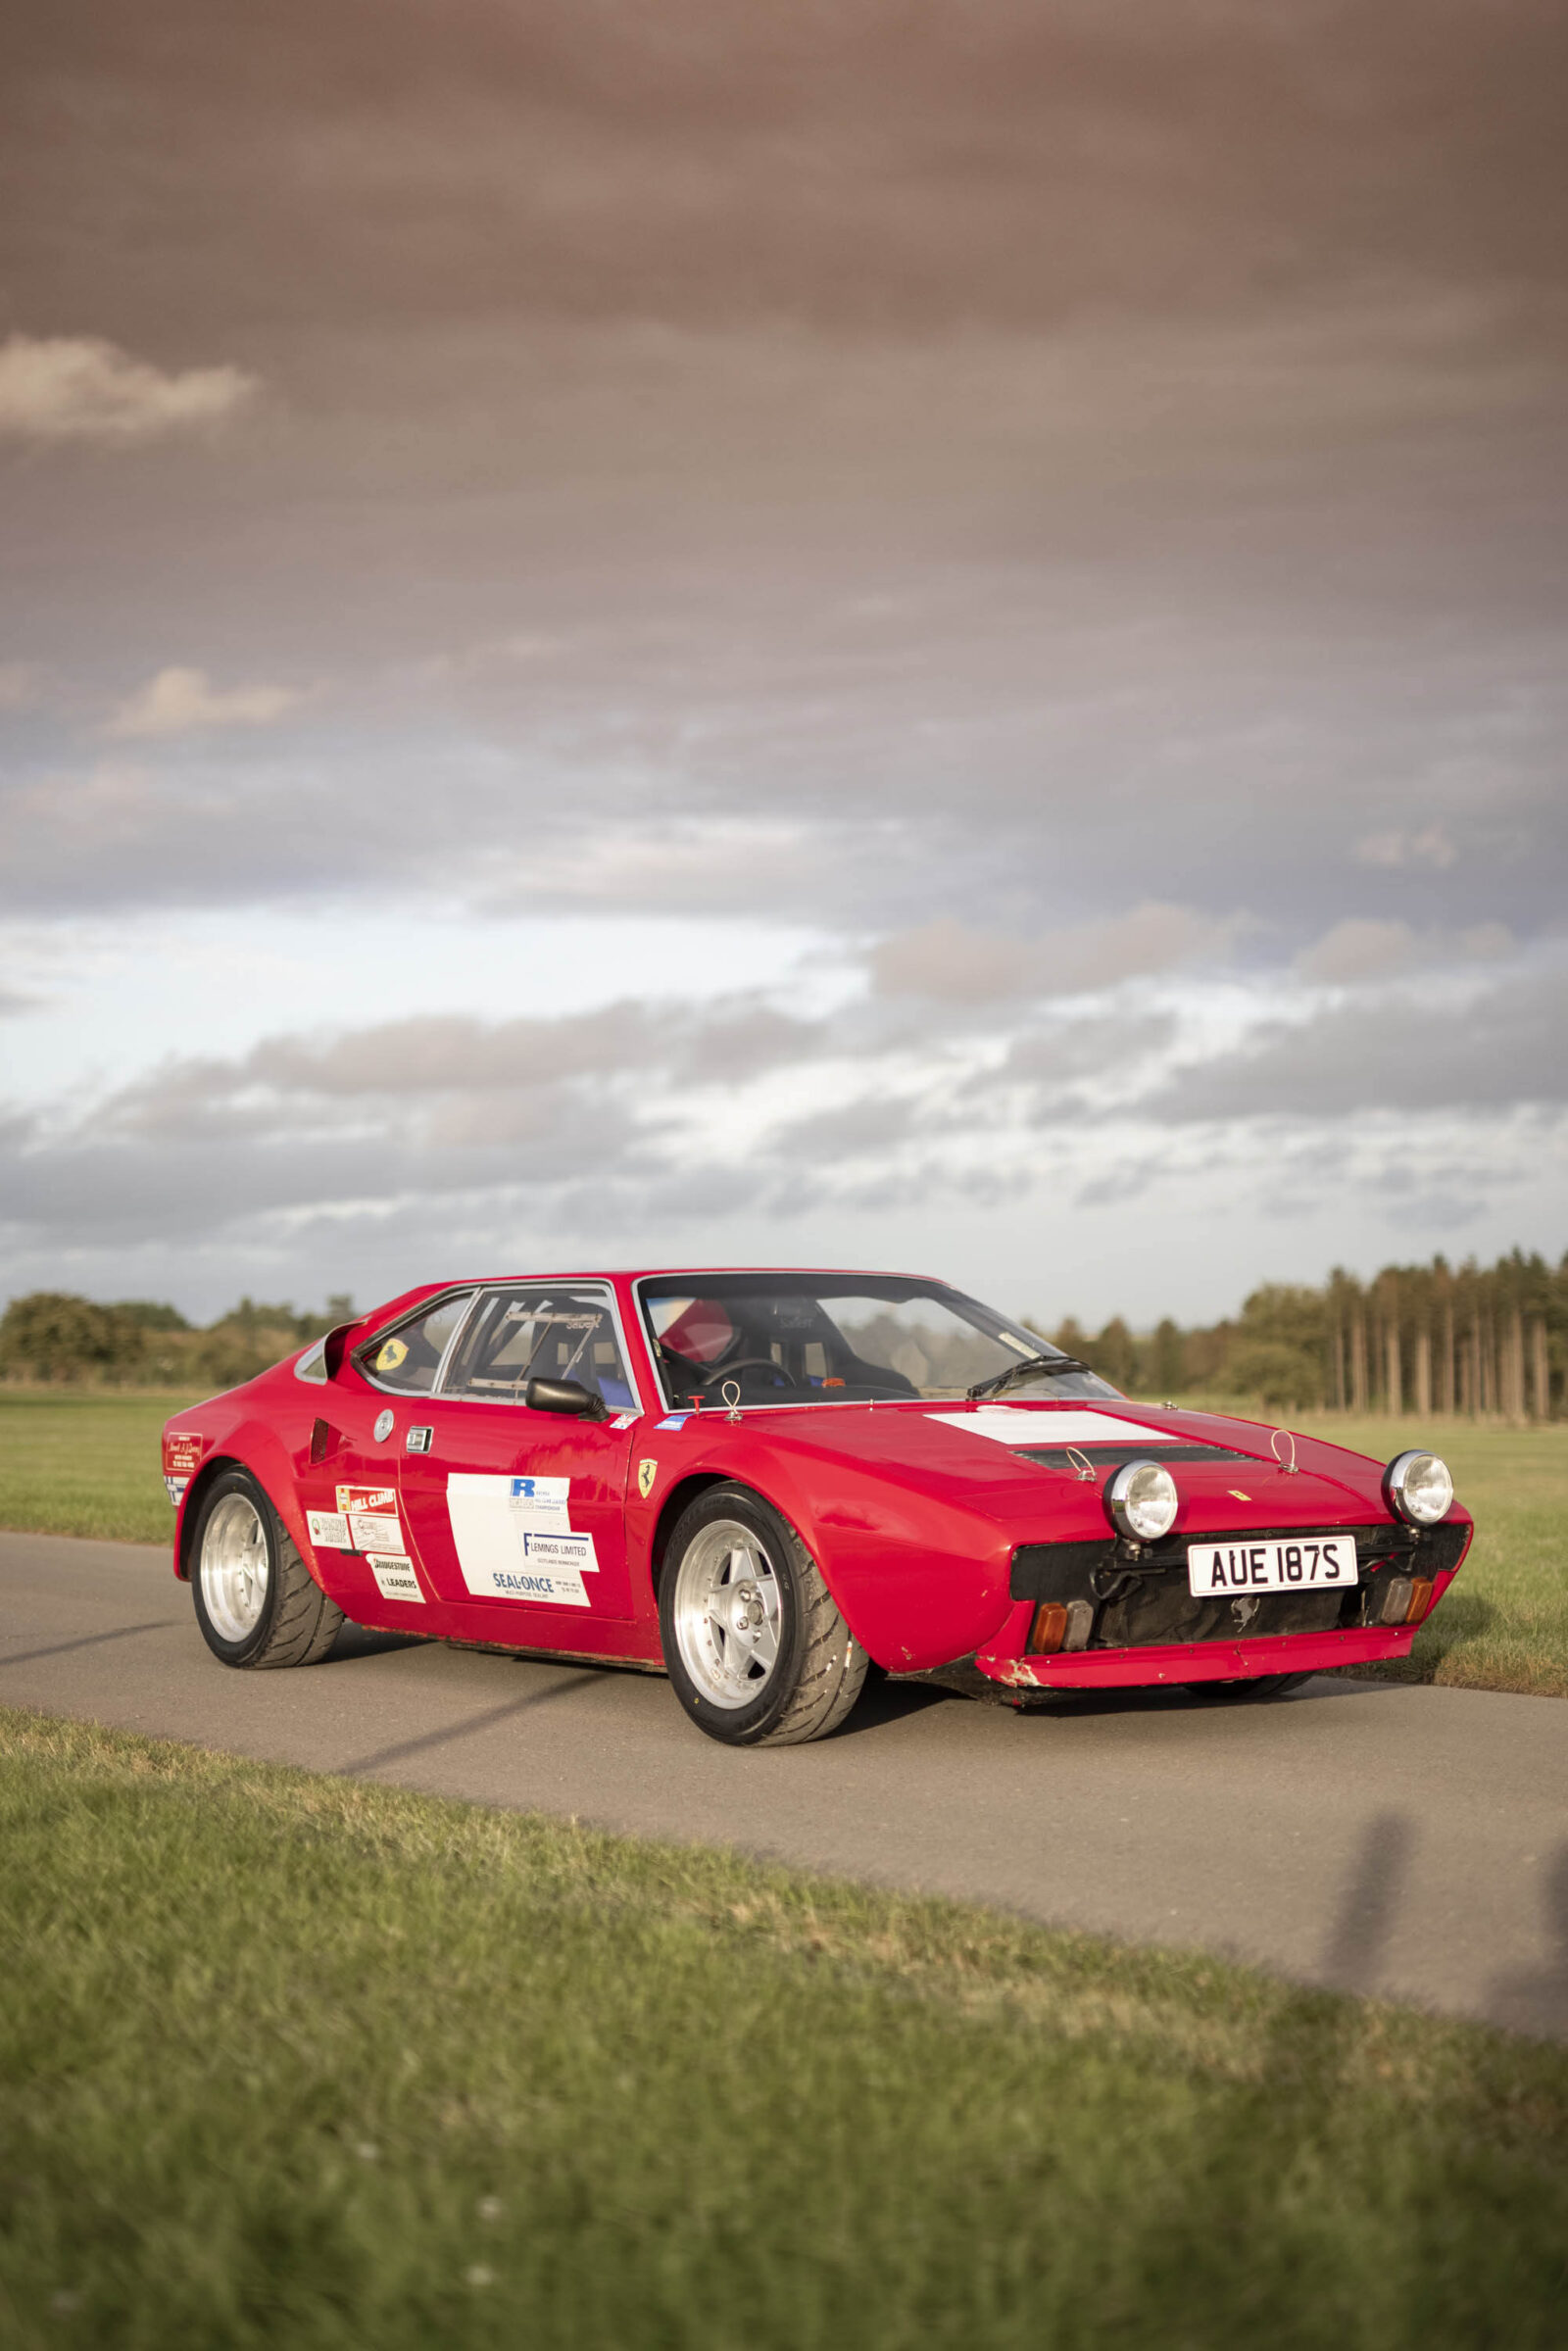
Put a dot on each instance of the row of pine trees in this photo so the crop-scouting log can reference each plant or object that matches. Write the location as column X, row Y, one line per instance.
column 1488, row 1342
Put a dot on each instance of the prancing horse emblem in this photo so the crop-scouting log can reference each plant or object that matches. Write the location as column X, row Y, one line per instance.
column 647, row 1472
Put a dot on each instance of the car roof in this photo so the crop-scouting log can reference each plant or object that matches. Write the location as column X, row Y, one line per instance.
column 685, row 1273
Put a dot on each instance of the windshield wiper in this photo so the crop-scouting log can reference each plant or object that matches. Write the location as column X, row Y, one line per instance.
column 1026, row 1370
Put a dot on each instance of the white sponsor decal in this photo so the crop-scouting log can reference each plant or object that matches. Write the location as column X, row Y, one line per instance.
column 329, row 1529
column 395, row 1579
column 542, row 1502
column 572, row 1553
column 1015, row 1425
column 369, row 1530
column 625, row 1420
column 373, row 1515
column 513, row 1544
column 177, row 1487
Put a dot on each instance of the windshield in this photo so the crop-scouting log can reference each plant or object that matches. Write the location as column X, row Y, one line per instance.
column 837, row 1339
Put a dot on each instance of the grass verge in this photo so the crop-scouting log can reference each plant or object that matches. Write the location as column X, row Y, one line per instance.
column 87, row 1463
column 1505, row 1623
column 293, row 2059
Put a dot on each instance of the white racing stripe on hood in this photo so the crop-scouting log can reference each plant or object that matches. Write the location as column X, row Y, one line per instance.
column 1014, row 1425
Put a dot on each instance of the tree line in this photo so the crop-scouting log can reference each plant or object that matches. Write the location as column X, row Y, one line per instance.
column 52, row 1335
column 1491, row 1341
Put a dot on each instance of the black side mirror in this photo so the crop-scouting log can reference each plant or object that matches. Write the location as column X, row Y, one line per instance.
column 564, row 1396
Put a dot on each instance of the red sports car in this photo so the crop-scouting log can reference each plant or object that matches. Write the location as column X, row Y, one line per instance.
column 761, row 1483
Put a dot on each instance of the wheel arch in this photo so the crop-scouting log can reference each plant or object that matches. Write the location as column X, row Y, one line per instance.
column 681, row 1494
column 686, row 1490
column 190, row 1507
column 275, row 1483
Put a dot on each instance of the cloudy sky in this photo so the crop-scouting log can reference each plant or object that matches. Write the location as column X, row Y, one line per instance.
column 880, row 632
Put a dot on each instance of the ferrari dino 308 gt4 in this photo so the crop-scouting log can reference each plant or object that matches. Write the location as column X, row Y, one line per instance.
column 763, row 1483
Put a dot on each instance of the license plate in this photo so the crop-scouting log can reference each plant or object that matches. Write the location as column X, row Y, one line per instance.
column 1305, row 1561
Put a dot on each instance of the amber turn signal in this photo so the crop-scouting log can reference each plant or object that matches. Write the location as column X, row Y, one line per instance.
column 1050, row 1628
column 1420, row 1599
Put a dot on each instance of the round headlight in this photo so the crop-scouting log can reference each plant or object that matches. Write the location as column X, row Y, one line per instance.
column 1142, row 1500
column 1419, row 1487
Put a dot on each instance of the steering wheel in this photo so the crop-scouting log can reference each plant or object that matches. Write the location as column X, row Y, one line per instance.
column 728, row 1371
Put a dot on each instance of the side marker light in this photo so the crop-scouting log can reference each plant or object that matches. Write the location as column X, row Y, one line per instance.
column 1061, row 1624
column 1050, row 1628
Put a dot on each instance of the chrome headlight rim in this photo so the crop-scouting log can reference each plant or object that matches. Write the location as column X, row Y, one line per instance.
column 1142, row 1516
column 1398, row 1479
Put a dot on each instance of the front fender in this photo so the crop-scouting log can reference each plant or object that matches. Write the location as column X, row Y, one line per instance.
column 920, row 1580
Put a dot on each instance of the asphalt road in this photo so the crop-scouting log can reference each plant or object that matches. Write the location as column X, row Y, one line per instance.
column 1404, row 1842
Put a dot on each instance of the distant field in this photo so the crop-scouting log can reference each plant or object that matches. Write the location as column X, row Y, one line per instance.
column 84, row 1463
column 1504, row 1625
column 295, row 2060
column 88, row 1464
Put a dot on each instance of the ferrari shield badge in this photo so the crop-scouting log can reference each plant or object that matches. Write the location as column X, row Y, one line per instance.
column 647, row 1472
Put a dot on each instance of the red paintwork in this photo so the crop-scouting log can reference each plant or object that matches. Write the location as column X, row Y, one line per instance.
column 912, row 1522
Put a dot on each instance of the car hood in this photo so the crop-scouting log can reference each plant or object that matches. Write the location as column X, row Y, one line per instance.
column 1023, row 1460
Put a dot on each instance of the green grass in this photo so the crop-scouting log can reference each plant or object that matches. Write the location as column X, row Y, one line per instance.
column 1504, row 1624
column 87, row 1463
column 291, row 2058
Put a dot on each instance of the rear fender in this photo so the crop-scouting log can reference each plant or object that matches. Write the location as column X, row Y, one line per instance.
column 257, row 1449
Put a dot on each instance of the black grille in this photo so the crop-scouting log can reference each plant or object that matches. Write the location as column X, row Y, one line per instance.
column 1143, row 1600
column 1116, row 1456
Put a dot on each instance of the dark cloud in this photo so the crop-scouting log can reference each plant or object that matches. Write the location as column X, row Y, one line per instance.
column 862, row 164
column 1505, row 1045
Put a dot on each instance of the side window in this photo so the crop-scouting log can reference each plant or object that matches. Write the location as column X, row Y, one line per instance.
column 546, row 1332
column 408, row 1357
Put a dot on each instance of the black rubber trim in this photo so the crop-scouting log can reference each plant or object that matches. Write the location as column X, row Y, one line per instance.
column 1116, row 1456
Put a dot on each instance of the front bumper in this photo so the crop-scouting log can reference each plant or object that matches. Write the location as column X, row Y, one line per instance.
column 1197, row 1661
column 1145, row 1627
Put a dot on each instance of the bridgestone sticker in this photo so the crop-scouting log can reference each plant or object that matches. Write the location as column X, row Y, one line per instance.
column 330, row 1530
column 395, row 1579
column 514, row 1541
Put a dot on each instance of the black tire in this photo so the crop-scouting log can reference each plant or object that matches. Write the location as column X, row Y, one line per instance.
column 816, row 1668
column 1256, row 1687
column 256, row 1602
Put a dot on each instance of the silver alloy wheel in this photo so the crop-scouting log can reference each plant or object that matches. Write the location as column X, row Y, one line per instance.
column 728, row 1611
column 235, row 1568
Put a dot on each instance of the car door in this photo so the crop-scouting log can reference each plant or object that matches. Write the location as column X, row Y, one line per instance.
column 348, row 1477
column 519, row 1516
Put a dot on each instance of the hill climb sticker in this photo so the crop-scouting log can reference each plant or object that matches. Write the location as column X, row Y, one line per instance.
column 372, row 1512
column 514, row 1541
